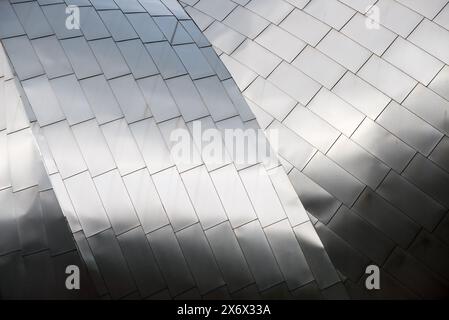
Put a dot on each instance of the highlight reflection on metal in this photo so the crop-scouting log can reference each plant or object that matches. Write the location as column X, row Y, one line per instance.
column 84, row 124
column 359, row 91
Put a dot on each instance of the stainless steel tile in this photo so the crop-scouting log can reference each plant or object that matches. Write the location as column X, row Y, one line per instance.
column 204, row 197
column 137, row 58
column 414, row 275
column 246, row 22
column 65, row 203
column 216, row 64
column 250, row 292
column 118, row 25
column 64, row 149
column 57, row 17
column 312, row 128
column 130, row 98
column 52, row 57
column 187, row 98
column 217, row 9
column 256, row 57
column 141, row 262
column 195, row 33
column 305, row 27
column 154, row 7
column 242, row 75
column 9, row 23
column 383, row 145
column 14, row 103
column 166, row 59
column 429, row 9
column 315, row 199
column 194, row 61
column 103, row 4
column 408, row 198
column 215, row 97
column 146, row 201
column 361, row 235
column 357, row 161
column 23, row 58
column 361, row 95
column 101, row 99
column 439, row 83
column 309, row 291
column 334, row 179
column 200, row 258
column 123, row 146
column 71, row 99
column 429, row 178
column 294, row 82
column 32, row 19
column 171, row 260
column 429, row 106
column 152, row 146
column 112, row 264
column 440, row 155
column 317, row 258
column 201, row 19
column 375, row 39
column 223, row 37
column 288, row 254
column 443, row 17
column 109, row 58
column 9, row 235
column 158, row 98
column 91, row 24
column 180, row 143
column 81, row 57
column 411, row 129
column 258, row 254
column 174, row 198
column 273, row 10
column 344, row 50
column 331, row 12
column 145, row 27
column 437, row 44
column 336, row 111
column 386, row 218
column 262, row 195
column 5, row 179
column 397, row 17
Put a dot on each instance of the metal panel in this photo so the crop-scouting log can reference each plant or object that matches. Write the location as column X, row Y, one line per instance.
column 57, row 17
column 223, row 37
column 238, row 100
column 91, row 24
column 155, row 7
column 259, row 255
column 187, row 98
column 416, row 204
column 166, row 59
column 383, row 145
column 171, row 260
column 130, row 98
column 439, row 83
column 112, row 264
column 101, row 99
column 158, row 98
column 71, row 99
column 319, row 262
column 146, row 201
column 175, row 199
column 256, row 57
column 87, row 204
column 397, row 17
column 137, row 58
column 386, row 218
column 332, row 12
column 81, row 57
column 204, row 197
column 9, row 23
column 194, row 61
column 52, row 57
column 217, row 9
column 141, row 262
column 129, row 6
column 32, row 19
column 229, row 256
column 262, row 195
column 273, row 10
column 14, row 105
column 152, row 146
column 242, row 75
column 246, row 22
column 118, row 25
column 23, row 58
column 123, row 146
column 215, row 62
column 336, row 111
column 428, row 10
column 64, row 149
column 9, row 236
column 103, row 4
column 200, row 259
column 440, row 155
column 145, row 27
column 288, row 254
column 109, row 58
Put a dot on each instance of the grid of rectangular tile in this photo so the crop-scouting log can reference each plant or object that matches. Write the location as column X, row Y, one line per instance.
column 145, row 222
column 370, row 79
